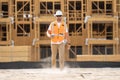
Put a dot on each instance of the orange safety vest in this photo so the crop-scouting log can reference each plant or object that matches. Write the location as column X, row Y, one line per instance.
column 59, row 32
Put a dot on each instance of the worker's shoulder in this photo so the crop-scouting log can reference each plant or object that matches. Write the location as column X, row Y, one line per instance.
column 53, row 22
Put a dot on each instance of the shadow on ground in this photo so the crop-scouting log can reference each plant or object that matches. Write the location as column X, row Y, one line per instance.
column 28, row 65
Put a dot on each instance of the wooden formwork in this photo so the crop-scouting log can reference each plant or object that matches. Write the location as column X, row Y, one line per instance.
column 5, row 31
column 5, row 24
column 104, row 7
column 93, row 27
column 106, row 36
column 23, row 29
column 15, row 53
column 118, row 10
column 102, row 29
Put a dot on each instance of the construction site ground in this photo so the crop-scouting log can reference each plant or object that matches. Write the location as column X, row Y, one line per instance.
column 72, row 71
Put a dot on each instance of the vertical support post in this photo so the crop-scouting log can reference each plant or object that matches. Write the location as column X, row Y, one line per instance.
column 114, row 7
column 7, row 34
column 38, row 26
column 117, row 36
column 105, row 7
column 88, row 26
column 10, row 30
column 37, row 9
column 16, row 15
column 35, row 23
column 68, row 12
column 89, row 7
column 63, row 5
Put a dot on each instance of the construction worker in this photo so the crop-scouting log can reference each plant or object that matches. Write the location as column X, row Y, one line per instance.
column 58, row 32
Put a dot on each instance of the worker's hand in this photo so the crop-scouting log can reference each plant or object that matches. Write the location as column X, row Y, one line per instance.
column 68, row 46
column 65, row 41
column 52, row 35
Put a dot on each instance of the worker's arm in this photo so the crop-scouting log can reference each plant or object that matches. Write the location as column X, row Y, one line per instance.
column 67, row 34
column 49, row 31
column 68, row 40
column 67, row 37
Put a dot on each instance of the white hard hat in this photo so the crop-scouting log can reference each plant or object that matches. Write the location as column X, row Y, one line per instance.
column 58, row 12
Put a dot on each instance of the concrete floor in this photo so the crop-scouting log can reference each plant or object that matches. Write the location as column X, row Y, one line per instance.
column 56, row 74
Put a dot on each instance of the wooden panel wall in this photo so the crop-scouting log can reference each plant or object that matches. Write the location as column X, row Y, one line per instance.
column 15, row 53
column 118, row 10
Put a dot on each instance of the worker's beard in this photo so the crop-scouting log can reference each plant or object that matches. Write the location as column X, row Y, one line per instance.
column 59, row 19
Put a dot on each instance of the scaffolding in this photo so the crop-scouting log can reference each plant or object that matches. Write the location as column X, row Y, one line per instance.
column 93, row 26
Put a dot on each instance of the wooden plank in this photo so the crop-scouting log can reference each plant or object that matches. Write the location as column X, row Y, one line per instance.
column 101, row 0
column 20, row 59
column 113, row 58
column 45, row 19
column 76, row 22
column 15, row 48
column 5, row 59
column 15, row 51
column 98, row 58
column 43, row 42
column 49, row 0
column 102, row 41
column 5, row 20
column 5, row 54
column 75, row 0
column 21, row 48
column 102, row 19
column 4, row 0
column 5, row 48
column 8, row 59
column 12, row 59
column 23, row 22
column 20, row 54
column 5, row 42
column 23, row 0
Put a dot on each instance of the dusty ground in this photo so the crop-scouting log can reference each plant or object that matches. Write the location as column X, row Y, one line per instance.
column 72, row 71
column 56, row 74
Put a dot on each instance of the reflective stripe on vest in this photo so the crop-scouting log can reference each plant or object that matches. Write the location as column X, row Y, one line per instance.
column 58, row 32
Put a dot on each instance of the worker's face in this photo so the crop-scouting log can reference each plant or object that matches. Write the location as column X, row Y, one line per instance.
column 59, row 17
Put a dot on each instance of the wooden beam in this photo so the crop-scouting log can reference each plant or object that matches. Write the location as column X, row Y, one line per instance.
column 97, row 6
column 102, row 19
column 43, row 5
column 22, row 29
column 49, row 0
column 101, row 0
column 79, row 29
column 22, row 0
column 5, row 42
column 112, row 58
column 45, row 42
column 23, row 22
column 98, row 50
column 5, row 20
column 22, row 7
column 4, row 0
column 45, row 19
column 97, row 41
column 71, row 6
